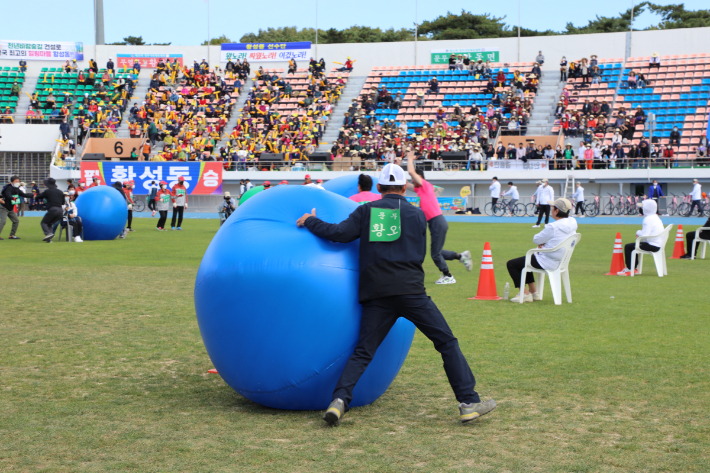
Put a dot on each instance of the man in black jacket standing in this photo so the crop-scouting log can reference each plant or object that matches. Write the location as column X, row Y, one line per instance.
column 55, row 200
column 11, row 195
column 392, row 236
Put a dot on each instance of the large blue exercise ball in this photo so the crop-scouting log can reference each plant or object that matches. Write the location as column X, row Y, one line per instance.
column 278, row 307
column 103, row 212
column 347, row 185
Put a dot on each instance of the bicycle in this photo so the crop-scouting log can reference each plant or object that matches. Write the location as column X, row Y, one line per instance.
column 684, row 208
column 138, row 204
column 531, row 208
column 592, row 209
column 502, row 207
column 610, row 206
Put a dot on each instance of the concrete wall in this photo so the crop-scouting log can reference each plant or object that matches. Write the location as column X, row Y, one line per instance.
column 369, row 55
column 29, row 138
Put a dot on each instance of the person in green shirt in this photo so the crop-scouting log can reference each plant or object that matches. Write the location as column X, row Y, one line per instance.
column 15, row 91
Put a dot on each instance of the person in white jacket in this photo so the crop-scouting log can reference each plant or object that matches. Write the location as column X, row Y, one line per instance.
column 578, row 198
column 652, row 225
column 495, row 190
column 70, row 216
column 545, row 195
column 514, row 197
column 696, row 198
column 553, row 234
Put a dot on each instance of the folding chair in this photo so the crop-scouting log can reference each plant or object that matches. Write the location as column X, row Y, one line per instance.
column 558, row 276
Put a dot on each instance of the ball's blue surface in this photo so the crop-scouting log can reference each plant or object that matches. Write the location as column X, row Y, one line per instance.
column 278, row 307
column 103, row 213
column 347, row 185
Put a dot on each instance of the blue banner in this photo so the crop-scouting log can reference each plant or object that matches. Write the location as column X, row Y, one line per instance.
column 445, row 203
column 265, row 52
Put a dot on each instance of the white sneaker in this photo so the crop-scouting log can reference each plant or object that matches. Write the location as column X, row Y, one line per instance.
column 582, row 216
column 526, row 298
column 536, row 296
column 624, row 272
column 466, row 260
column 78, row 240
column 446, row 280
column 536, row 226
column 153, row 214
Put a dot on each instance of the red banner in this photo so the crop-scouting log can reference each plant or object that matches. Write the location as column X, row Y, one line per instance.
column 147, row 61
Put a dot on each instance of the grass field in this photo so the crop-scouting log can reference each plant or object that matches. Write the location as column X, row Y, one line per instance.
column 103, row 369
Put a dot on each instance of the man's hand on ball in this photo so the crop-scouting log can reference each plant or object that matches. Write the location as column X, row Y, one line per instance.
column 302, row 221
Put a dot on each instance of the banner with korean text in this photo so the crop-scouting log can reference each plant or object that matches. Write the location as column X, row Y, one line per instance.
column 147, row 61
column 266, row 52
column 441, row 56
column 517, row 165
column 41, row 50
column 445, row 203
column 200, row 177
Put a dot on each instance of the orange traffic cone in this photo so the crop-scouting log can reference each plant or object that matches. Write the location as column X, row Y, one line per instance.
column 678, row 249
column 617, row 258
column 487, row 280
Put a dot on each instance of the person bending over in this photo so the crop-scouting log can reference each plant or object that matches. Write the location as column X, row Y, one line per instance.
column 553, row 234
column 392, row 236
column 652, row 225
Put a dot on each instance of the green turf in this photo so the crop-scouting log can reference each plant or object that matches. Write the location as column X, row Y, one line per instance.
column 103, row 369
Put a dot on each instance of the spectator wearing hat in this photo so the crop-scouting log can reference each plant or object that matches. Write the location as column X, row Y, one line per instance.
column 553, row 234
column 563, row 69
column 70, row 217
column 655, row 61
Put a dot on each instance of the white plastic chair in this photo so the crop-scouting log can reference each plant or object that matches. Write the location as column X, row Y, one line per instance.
column 699, row 241
column 659, row 257
column 557, row 276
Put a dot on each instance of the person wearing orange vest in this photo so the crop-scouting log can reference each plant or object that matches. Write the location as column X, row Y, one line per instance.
column 128, row 190
column 179, row 193
column 162, row 202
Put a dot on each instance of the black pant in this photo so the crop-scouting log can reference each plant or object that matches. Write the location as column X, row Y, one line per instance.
column 494, row 200
column 543, row 209
column 162, row 219
column 515, row 269
column 52, row 216
column 693, row 204
column 579, row 209
column 438, row 227
column 629, row 247
column 177, row 214
column 151, row 204
column 76, row 226
column 130, row 219
column 378, row 317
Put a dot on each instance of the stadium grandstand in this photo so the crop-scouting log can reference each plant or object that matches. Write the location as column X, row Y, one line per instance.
column 468, row 118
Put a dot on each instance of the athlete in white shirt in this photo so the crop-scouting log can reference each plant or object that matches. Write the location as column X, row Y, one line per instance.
column 495, row 190
column 696, row 197
column 578, row 198
column 545, row 195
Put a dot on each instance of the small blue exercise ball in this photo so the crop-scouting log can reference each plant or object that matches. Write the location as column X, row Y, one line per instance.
column 347, row 185
column 103, row 212
column 278, row 307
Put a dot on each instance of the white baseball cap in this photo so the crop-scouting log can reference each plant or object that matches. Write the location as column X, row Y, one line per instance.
column 392, row 175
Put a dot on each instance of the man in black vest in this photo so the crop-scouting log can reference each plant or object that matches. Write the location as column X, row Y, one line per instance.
column 392, row 236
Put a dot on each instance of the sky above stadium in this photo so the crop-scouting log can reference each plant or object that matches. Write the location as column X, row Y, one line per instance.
column 184, row 22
